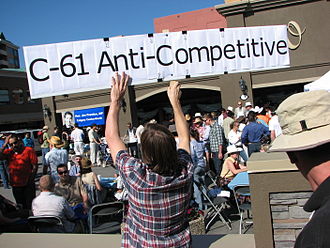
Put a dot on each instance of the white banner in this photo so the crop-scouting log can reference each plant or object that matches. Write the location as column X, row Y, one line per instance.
column 72, row 67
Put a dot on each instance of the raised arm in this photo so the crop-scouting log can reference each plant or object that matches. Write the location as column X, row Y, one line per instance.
column 119, row 86
column 174, row 95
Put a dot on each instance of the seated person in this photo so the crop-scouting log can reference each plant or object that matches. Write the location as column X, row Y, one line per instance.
column 12, row 217
column 72, row 189
column 47, row 203
column 91, row 182
column 121, row 193
column 231, row 167
column 75, row 166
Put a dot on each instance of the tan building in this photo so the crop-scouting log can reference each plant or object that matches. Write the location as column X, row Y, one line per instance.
column 309, row 55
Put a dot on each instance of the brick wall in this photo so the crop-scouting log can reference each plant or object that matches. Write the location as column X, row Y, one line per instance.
column 288, row 216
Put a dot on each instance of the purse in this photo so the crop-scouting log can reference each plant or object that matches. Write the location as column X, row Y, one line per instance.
column 223, row 181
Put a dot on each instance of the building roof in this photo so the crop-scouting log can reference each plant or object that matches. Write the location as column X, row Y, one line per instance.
column 4, row 40
column 13, row 69
column 193, row 20
column 2, row 36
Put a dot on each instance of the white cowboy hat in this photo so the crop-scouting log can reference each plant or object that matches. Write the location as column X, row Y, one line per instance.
column 233, row 149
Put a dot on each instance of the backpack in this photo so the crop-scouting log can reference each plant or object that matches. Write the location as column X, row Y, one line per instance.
column 40, row 137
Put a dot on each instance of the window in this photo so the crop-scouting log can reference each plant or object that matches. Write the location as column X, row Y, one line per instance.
column 11, row 51
column 4, row 97
column 18, row 97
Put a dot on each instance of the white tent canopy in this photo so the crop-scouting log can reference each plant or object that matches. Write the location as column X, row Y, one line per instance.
column 323, row 83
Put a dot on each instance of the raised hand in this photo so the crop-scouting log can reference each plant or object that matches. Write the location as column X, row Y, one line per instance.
column 174, row 92
column 119, row 86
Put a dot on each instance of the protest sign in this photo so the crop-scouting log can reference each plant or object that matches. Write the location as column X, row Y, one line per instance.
column 72, row 67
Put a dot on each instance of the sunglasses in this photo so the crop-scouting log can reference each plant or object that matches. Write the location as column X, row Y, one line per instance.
column 63, row 172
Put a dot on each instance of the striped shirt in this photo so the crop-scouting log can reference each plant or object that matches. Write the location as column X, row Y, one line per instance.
column 157, row 213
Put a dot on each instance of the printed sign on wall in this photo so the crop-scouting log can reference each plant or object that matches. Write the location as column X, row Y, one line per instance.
column 87, row 117
column 72, row 67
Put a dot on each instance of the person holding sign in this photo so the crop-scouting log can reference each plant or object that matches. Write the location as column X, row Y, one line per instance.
column 159, row 185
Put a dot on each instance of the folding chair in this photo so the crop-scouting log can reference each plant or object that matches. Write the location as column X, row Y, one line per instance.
column 212, row 177
column 46, row 224
column 244, row 207
column 215, row 206
column 106, row 218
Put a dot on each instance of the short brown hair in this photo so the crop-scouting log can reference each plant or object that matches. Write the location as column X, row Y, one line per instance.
column 159, row 150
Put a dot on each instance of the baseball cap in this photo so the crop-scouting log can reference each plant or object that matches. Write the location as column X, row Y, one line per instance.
column 248, row 104
column 305, row 121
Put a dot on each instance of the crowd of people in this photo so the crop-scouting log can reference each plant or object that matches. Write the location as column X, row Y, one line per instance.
column 67, row 185
column 68, row 176
column 160, row 167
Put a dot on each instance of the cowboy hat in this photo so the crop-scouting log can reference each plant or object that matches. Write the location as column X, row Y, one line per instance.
column 45, row 128
column 304, row 120
column 233, row 149
column 56, row 141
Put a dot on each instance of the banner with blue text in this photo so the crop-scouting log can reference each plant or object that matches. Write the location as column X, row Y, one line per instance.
column 72, row 67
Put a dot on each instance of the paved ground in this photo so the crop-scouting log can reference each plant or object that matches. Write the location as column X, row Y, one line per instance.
column 217, row 227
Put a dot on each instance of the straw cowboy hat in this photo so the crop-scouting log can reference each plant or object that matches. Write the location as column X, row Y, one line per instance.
column 233, row 149
column 305, row 121
column 56, row 141
column 85, row 163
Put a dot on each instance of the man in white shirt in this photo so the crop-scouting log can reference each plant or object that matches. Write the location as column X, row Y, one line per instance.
column 222, row 116
column 132, row 140
column 139, row 132
column 240, row 110
column 47, row 203
column 77, row 135
column 94, row 141
column 248, row 108
column 274, row 127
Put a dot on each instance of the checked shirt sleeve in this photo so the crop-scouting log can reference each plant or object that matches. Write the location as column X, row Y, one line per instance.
column 131, row 169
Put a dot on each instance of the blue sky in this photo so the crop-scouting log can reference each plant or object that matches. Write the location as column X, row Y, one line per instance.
column 35, row 22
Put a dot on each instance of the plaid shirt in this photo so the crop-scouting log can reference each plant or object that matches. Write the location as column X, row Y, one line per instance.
column 157, row 213
column 216, row 137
